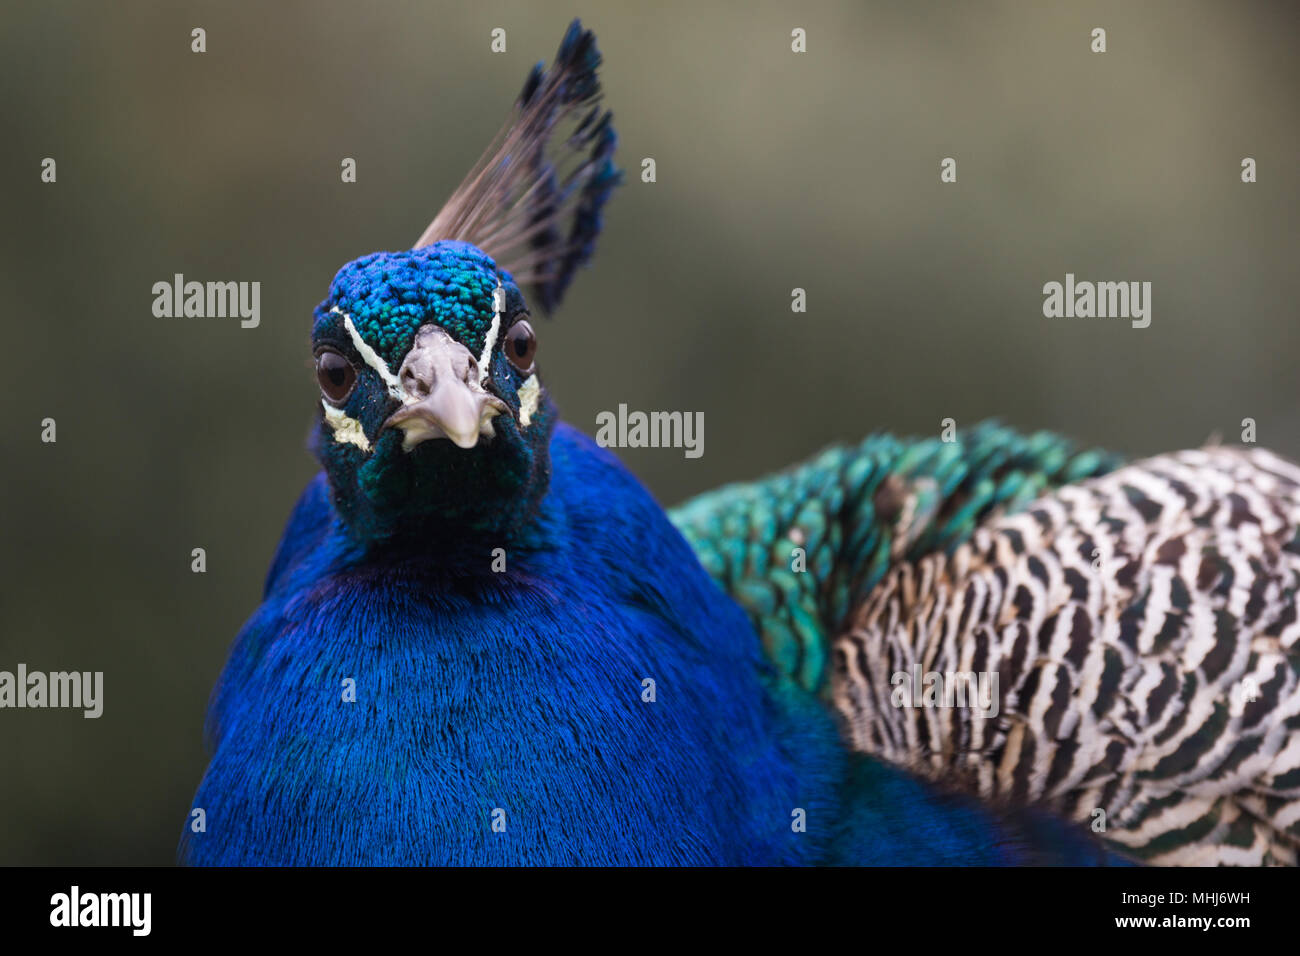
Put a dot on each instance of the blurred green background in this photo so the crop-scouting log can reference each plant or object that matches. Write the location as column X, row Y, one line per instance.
column 775, row 171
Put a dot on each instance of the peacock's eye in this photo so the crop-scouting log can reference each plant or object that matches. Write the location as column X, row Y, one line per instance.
column 335, row 375
column 521, row 345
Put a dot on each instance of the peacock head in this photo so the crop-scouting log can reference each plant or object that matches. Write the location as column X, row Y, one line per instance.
column 432, row 411
column 433, row 415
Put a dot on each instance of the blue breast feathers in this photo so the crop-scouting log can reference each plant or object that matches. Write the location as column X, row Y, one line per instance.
column 499, row 717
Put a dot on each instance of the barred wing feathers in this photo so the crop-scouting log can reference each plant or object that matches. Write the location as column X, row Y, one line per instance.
column 1144, row 631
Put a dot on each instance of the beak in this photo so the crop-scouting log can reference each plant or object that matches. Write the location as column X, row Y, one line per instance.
column 444, row 399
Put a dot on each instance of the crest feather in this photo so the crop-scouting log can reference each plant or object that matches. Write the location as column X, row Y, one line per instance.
column 536, row 214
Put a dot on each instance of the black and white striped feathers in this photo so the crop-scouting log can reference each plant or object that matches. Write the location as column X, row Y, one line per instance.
column 1142, row 630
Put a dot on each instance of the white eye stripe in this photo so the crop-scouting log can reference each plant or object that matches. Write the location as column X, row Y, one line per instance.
column 371, row 357
column 485, row 361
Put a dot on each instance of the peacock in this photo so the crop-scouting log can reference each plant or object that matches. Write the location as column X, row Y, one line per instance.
column 481, row 640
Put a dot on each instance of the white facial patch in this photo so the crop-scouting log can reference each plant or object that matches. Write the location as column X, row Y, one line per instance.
column 347, row 430
column 371, row 358
column 529, row 394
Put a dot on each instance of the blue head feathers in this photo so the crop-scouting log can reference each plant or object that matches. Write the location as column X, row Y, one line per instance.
column 437, row 343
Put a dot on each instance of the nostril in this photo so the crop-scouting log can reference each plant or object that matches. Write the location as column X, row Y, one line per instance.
column 412, row 382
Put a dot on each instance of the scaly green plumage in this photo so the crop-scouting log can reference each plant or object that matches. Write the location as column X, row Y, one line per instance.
column 854, row 509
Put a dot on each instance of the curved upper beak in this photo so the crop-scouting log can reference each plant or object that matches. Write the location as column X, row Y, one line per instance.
column 444, row 399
